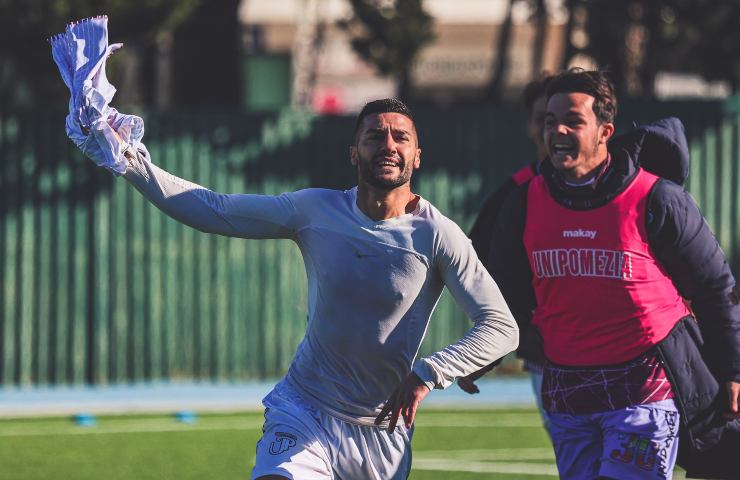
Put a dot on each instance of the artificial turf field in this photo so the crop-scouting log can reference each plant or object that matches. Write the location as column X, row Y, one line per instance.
column 448, row 445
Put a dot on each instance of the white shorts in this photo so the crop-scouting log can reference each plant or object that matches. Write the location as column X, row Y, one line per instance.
column 301, row 442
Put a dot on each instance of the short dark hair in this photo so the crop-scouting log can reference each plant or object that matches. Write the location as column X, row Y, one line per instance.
column 535, row 89
column 594, row 83
column 384, row 105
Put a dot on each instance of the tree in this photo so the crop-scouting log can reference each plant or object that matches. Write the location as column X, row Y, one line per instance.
column 607, row 29
column 495, row 87
column 570, row 50
column 637, row 39
column 540, row 20
column 27, row 71
column 699, row 36
column 307, row 43
column 389, row 35
column 206, row 56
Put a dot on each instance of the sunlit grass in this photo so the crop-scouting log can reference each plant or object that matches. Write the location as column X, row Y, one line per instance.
column 448, row 445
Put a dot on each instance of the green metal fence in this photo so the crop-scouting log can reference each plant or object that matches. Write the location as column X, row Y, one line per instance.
column 97, row 286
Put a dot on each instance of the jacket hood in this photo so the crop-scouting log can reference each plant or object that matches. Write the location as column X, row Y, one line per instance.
column 660, row 148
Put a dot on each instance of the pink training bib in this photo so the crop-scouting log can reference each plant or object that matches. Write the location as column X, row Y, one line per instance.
column 602, row 297
column 522, row 175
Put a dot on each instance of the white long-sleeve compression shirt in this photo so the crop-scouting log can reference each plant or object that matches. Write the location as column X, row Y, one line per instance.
column 372, row 286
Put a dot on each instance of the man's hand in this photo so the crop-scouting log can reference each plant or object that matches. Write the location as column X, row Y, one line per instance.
column 467, row 383
column 733, row 393
column 404, row 402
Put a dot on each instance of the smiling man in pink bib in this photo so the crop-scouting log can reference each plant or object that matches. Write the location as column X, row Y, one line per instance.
column 600, row 254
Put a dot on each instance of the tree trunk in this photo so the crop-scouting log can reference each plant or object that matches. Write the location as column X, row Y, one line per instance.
column 306, row 46
column 649, row 70
column 494, row 92
column 570, row 50
column 540, row 33
column 204, row 56
column 404, row 86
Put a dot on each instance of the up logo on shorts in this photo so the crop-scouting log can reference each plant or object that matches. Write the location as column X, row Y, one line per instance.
column 283, row 441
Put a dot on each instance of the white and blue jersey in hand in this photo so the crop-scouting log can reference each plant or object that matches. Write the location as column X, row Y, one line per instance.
column 372, row 287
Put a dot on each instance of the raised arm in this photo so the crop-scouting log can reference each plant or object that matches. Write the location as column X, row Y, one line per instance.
column 234, row 215
column 113, row 140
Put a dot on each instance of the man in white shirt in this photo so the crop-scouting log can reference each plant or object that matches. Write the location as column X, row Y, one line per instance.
column 377, row 258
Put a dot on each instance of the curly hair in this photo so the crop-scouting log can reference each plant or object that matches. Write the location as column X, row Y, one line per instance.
column 535, row 89
column 591, row 82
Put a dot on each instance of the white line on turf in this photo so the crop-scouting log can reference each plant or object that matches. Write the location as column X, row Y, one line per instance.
column 503, row 421
column 477, row 420
column 7, row 429
column 451, row 465
column 488, row 455
column 143, row 427
column 488, row 461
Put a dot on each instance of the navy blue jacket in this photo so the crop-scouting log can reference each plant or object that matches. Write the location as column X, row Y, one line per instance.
column 482, row 229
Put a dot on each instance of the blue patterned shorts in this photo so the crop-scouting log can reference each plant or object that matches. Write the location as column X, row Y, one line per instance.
column 639, row 442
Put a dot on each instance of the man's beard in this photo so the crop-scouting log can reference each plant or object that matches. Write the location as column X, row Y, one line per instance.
column 595, row 150
column 367, row 175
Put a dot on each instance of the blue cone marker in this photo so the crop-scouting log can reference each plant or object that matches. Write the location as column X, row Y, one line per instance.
column 84, row 419
column 186, row 416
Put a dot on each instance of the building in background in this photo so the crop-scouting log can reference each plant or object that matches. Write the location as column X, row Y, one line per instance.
column 269, row 54
column 330, row 77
